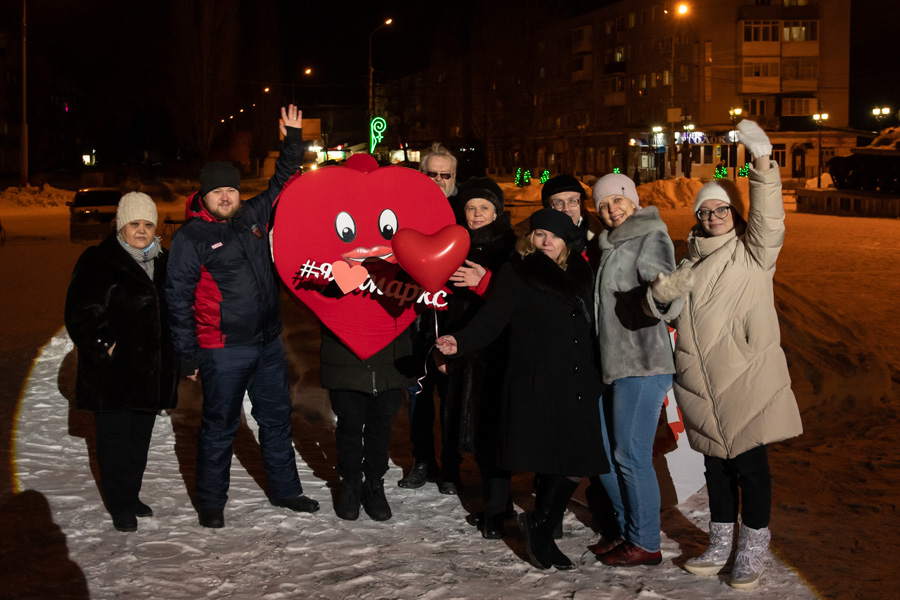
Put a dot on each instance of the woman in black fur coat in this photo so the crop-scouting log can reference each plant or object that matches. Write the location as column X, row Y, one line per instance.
column 116, row 316
column 476, row 379
column 549, row 403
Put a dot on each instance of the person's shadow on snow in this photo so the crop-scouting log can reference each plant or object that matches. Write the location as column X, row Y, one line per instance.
column 34, row 553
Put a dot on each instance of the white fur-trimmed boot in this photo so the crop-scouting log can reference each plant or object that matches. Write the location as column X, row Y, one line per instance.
column 717, row 555
column 749, row 561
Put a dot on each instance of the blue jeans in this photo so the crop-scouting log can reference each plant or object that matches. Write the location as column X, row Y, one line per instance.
column 226, row 373
column 630, row 411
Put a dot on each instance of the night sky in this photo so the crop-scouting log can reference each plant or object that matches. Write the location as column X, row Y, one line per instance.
column 119, row 66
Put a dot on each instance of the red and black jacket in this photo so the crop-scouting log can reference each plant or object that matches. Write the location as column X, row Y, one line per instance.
column 221, row 285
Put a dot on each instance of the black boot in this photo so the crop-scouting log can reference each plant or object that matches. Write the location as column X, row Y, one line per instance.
column 374, row 501
column 419, row 475
column 553, row 495
column 539, row 480
column 347, row 506
column 538, row 539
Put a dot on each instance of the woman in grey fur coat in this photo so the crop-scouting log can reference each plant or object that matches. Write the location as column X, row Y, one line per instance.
column 636, row 364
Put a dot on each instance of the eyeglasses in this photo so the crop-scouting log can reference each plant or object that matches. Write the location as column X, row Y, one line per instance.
column 720, row 212
column 437, row 175
column 561, row 204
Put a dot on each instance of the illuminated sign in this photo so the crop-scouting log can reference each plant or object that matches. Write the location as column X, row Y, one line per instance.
column 376, row 132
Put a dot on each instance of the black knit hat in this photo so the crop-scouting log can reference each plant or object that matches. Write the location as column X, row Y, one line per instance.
column 218, row 174
column 554, row 221
column 560, row 183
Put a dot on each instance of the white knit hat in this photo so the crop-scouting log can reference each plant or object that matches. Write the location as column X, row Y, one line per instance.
column 135, row 206
column 615, row 184
column 724, row 190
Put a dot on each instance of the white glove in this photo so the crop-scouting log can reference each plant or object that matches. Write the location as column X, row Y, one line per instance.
column 751, row 135
column 677, row 284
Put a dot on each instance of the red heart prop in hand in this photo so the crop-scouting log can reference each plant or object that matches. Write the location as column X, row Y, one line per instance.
column 431, row 259
column 332, row 222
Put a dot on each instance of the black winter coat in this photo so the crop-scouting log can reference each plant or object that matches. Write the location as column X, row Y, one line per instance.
column 222, row 287
column 550, row 416
column 476, row 379
column 111, row 300
column 391, row 368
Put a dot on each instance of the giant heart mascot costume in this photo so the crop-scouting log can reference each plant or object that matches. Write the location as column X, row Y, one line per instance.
column 366, row 248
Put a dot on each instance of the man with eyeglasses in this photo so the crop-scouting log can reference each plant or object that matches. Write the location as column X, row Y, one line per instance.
column 565, row 193
column 440, row 165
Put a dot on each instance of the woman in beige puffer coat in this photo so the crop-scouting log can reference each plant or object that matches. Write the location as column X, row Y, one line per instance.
column 732, row 383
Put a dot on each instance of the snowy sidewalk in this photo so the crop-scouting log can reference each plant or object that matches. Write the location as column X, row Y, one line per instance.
column 426, row 551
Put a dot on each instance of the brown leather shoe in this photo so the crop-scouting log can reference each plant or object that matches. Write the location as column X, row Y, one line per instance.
column 605, row 545
column 629, row 555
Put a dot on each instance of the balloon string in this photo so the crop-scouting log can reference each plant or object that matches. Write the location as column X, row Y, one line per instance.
column 428, row 354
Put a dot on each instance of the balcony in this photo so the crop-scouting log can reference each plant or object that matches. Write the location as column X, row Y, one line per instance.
column 614, row 68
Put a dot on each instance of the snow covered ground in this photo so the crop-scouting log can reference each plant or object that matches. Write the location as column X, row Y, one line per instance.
column 836, row 489
column 426, row 551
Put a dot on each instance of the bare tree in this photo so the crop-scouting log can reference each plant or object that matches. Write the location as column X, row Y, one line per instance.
column 205, row 48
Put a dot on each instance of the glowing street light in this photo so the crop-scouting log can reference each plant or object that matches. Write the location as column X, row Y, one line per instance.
column 372, row 71
column 881, row 112
column 680, row 11
column 735, row 115
column 818, row 118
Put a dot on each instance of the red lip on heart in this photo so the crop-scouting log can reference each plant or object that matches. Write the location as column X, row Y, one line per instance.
column 431, row 259
column 362, row 254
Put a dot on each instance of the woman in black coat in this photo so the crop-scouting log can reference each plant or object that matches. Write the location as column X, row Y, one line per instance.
column 549, row 411
column 127, row 371
column 476, row 379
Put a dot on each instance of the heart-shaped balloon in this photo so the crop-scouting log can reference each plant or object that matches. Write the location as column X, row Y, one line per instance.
column 431, row 259
column 332, row 241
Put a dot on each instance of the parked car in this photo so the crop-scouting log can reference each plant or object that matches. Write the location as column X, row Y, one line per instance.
column 92, row 213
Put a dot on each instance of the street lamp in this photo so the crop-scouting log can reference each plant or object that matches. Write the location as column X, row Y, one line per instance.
column 372, row 71
column 657, row 131
column 880, row 113
column 680, row 11
column 818, row 118
column 307, row 72
column 735, row 114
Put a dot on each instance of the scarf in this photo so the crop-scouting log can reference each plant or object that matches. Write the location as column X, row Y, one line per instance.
column 143, row 257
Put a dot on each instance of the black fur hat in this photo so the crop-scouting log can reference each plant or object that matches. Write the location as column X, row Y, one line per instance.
column 479, row 187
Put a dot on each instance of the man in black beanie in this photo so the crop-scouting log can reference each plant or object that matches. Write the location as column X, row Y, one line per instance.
column 566, row 194
column 225, row 317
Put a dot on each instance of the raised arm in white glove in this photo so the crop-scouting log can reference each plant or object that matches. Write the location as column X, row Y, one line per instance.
column 751, row 135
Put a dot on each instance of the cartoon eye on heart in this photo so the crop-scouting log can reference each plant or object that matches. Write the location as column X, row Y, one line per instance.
column 334, row 242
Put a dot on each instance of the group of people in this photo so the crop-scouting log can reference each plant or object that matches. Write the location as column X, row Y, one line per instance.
column 554, row 357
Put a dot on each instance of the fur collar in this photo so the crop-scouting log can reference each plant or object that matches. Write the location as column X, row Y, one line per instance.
column 574, row 285
column 641, row 223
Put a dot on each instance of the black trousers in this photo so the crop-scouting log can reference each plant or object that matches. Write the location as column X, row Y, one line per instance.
column 421, row 422
column 743, row 480
column 363, row 432
column 123, row 441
